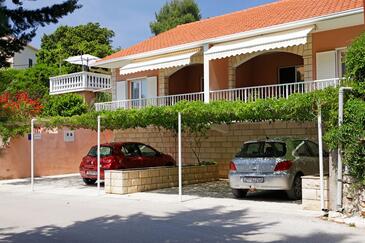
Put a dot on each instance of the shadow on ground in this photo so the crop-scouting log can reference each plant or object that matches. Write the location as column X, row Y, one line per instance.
column 221, row 189
column 207, row 225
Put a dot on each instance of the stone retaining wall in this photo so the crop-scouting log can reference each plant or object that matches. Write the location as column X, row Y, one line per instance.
column 353, row 197
column 222, row 141
column 147, row 179
column 311, row 193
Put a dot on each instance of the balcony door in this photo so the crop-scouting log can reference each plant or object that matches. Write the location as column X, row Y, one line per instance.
column 139, row 89
column 142, row 90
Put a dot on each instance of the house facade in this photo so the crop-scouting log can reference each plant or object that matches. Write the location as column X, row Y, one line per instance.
column 272, row 50
column 26, row 58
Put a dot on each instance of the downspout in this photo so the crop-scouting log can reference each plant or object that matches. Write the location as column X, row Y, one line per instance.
column 339, row 151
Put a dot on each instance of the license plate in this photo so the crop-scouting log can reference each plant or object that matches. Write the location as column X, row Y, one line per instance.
column 252, row 179
column 93, row 173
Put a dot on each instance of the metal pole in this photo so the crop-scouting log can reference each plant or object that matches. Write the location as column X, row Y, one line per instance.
column 339, row 151
column 32, row 154
column 179, row 157
column 320, row 143
column 98, row 156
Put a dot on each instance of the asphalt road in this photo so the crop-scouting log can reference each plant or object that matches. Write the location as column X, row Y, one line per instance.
column 45, row 216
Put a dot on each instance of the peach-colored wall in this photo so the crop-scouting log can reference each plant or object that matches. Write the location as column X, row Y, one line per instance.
column 219, row 74
column 263, row 69
column 186, row 80
column 53, row 156
column 332, row 39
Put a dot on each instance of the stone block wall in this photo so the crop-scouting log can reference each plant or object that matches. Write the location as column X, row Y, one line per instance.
column 147, row 179
column 353, row 197
column 222, row 142
column 311, row 193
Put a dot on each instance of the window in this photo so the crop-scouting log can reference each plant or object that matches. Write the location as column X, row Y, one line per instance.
column 104, row 151
column 291, row 74
column 314, row 148
column 139, row 89
column 341, row 65
column 146, row 150
column 302, row 149
column 130, row 150
column 262, row 149
column 30, row 62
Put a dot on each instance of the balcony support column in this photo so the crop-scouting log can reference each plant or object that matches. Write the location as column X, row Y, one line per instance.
column 206, row 75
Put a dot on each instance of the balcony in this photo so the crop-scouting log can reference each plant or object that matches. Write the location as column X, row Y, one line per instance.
column 247, row 94
column 77, row 82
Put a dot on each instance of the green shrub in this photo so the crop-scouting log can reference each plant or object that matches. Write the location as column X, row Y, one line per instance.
column 355, row 60
column 66, row 105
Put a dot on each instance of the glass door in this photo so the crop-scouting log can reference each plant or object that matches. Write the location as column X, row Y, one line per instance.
column 139, row 92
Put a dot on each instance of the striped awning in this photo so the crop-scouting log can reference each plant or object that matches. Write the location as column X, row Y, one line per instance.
column 267, row 42
column 159, row 63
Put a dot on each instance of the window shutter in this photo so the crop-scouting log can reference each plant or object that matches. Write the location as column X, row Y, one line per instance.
column 122, row 90
column 151, row 87
column 326, row 65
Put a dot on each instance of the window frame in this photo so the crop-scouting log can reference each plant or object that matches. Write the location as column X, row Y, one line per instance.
column 339, row 72
column 147, row 146
column 133, row 155
column 296, row 67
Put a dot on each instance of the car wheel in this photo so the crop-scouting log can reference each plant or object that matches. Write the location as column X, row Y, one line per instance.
column 295, row 193
column 239, row 193
column 89, row 181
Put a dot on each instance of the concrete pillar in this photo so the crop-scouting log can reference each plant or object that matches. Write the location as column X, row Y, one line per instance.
column 113, row 83
column 206, row 75
column 332, row 180
column 231, row 74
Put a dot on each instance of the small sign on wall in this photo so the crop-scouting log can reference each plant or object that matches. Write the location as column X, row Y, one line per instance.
column 69, row 136
column 37, row 136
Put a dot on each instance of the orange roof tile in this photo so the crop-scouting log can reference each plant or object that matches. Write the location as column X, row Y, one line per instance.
column 271, row 14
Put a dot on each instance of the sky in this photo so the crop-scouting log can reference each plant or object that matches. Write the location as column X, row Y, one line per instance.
column 130, row 19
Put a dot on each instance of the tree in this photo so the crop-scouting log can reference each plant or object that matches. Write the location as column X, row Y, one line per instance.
column 34, row 81
column 175, row 13
column 65, row 105
column 18, row 25
column 69, row 41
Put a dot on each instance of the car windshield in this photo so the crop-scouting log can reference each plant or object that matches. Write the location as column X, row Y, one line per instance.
column 104, row 151
column 262, row 149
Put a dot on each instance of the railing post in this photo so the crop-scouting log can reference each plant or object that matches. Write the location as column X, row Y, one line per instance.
column 50, row 85
column 287, row 91
column 84, row 80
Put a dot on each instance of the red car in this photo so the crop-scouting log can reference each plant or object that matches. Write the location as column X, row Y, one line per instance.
column 114, row 156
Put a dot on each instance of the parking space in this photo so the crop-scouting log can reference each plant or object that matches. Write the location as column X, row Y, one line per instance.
column 65, row 184
column 73, row 185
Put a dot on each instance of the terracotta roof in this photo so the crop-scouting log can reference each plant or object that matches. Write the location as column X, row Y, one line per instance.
column 271, row 14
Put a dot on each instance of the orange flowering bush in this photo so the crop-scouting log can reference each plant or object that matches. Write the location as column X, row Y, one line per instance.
column 19, row 105
column 15, row 112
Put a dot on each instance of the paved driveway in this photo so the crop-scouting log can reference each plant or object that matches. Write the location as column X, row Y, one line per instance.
column 45, row 216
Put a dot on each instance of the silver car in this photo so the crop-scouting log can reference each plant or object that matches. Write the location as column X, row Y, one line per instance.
column 275, row 164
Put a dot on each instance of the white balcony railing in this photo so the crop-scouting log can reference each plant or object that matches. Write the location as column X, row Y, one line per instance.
column 272, row 91
column 240, row 94
column 156, row 101
column 82, row 81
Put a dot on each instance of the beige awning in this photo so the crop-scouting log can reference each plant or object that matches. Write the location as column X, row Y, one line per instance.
column 267, row 42
column 159, row 63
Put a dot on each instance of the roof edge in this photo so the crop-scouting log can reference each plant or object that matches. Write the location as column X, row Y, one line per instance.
column 236, row 36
